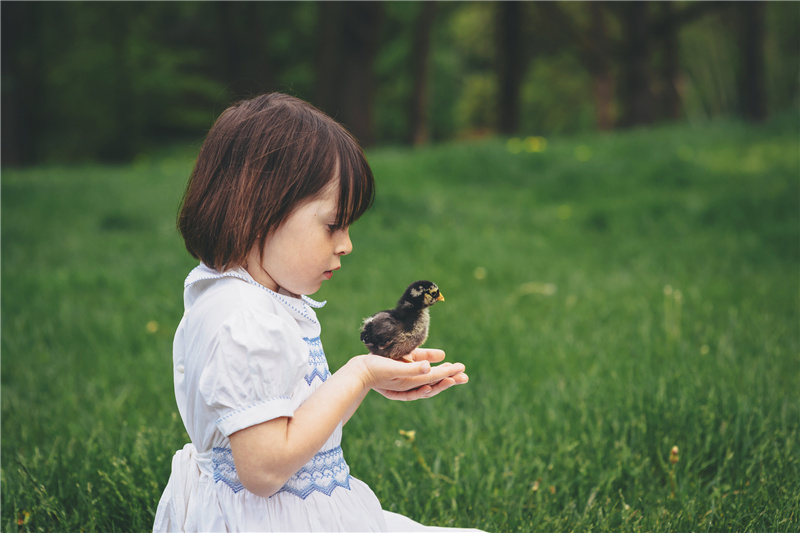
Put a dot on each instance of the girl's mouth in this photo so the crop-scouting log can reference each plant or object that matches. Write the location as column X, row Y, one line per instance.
column 329, row 273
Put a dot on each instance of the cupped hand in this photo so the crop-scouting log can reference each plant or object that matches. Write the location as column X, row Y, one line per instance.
column 399, row 380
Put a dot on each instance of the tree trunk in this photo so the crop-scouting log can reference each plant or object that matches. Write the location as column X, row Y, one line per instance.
column 328, row 56
column 669, row 96
column 245, row 60
column 23, row 89
column 597, row 59
column 510, row 65
column 420, row 55
column 362, row 21
column 636, row 94
column 752, row 96
column 124, row 137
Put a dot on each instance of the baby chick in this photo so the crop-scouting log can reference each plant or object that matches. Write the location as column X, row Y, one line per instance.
column 396, row 332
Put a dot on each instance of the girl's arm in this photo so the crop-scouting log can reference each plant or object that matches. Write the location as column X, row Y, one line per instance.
column 268, row 454
column 354, row 407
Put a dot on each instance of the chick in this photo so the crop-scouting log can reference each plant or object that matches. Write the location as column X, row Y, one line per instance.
column 396, row 332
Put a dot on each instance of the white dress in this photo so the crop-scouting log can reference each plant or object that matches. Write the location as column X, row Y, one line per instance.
column 244, row 355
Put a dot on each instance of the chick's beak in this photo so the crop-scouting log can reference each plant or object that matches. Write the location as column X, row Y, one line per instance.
column 440, row 298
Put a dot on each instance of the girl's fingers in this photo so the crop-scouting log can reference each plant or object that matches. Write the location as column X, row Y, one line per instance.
column 428, row 390
column 443, row 385
column 447, row 370
column 461, row 378
column 418, row 379
column 429, row 354
column 407, row 396
column 437, row 374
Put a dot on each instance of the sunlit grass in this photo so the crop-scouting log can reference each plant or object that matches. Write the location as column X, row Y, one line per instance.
column 612, row 297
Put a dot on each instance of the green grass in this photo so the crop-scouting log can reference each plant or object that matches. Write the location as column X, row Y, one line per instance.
column 612, row 296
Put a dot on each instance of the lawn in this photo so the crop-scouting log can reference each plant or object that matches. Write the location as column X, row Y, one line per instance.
column 612, row 296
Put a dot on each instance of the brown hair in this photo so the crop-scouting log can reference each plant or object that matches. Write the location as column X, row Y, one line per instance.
column 261, row 160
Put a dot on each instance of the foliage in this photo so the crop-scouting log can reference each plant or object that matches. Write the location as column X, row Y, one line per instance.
column 567, row 111
column 612, row 297
column 710, row 57
column 108, row 80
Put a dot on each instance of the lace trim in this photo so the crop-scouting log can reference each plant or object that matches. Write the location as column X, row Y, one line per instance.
column 317, row 363
column 323, row 473
column 195, row 275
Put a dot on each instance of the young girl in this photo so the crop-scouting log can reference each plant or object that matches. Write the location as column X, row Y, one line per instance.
column 276, row 185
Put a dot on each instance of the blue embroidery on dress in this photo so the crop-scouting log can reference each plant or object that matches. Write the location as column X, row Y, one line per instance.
column 317, row 363
column 224, row 469
column 323, row 473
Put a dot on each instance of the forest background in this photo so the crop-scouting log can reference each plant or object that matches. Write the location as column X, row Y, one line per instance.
column 107, row 80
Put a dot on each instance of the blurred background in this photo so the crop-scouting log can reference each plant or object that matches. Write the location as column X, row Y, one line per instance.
column 105, row 81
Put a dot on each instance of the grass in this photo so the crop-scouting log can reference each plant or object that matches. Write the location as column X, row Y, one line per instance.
column 612, row 296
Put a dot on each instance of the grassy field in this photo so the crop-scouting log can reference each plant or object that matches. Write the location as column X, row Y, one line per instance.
column 612, row 297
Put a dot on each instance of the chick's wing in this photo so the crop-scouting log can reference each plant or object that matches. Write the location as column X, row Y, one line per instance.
column 379, row 332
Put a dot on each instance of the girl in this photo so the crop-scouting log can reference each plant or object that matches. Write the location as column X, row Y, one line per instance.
column 276, row 185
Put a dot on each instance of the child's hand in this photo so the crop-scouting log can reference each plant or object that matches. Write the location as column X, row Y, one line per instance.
column 398, row 380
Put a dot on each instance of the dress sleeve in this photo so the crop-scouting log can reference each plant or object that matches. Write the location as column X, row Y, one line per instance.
column 254, row 366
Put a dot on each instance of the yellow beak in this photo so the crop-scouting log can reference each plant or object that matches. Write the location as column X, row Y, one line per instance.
column 440, row 298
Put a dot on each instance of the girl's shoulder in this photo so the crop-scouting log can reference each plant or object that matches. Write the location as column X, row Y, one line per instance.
column 220, row 295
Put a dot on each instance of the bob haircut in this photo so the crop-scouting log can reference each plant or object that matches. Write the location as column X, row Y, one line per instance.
column 261, row 160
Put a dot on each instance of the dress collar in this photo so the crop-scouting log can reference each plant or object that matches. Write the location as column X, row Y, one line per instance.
column 299, row 305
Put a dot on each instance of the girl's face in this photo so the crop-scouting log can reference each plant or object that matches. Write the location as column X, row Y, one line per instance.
column 305, row 250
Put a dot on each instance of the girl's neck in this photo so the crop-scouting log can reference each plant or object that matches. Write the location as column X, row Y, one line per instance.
column 261, row 276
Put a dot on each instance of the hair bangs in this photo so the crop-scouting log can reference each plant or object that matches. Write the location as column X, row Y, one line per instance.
column 356, row 184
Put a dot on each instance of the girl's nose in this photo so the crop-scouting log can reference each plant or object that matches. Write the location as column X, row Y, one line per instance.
column 344, row 246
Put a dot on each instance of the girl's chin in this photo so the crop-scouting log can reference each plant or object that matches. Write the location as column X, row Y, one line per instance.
column 299, row 289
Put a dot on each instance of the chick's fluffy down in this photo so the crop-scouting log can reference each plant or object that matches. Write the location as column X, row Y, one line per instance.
column 385, row 335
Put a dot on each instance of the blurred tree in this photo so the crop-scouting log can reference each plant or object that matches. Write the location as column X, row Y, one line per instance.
column 465, row 56
column 105, row 80
column 420, row 67
column 241, row 38
column 361, row 32
column 22, row 86
column 666, row 92
column 597, row 57
column 635, row 85
column 449, row 62
column 126, row 137
column 648, row 56
column 593, row 49
column 511, row 64
column 393, row 72
column 669, row 19
column 98, row 80
column 328, row 55
column 782, row 48
column 348, row 35
column 752, row 93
